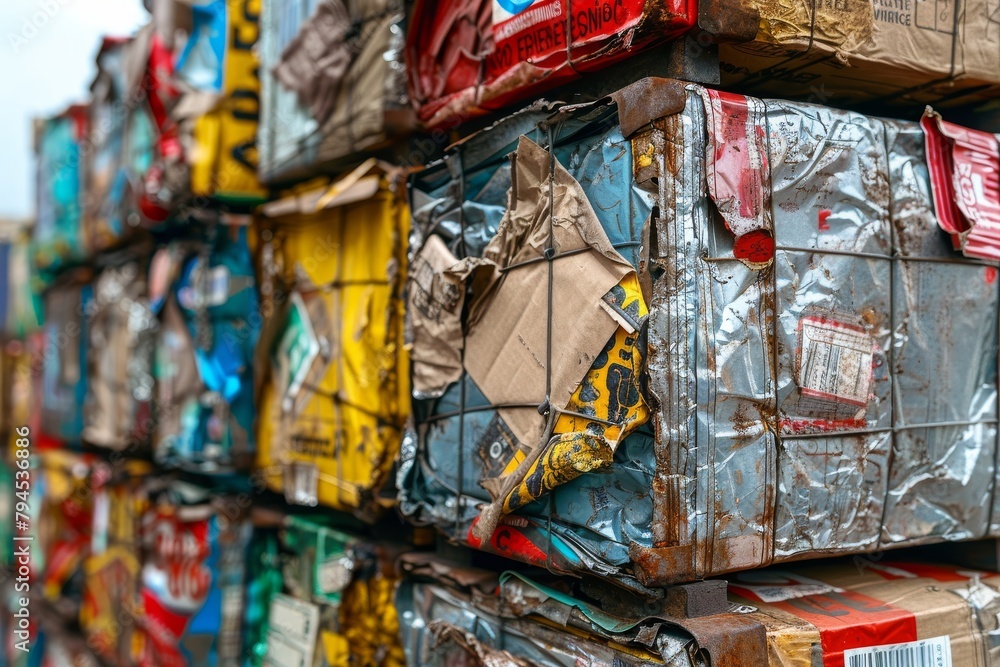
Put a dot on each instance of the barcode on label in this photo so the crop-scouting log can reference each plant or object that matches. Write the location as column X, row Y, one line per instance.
column 934, row 652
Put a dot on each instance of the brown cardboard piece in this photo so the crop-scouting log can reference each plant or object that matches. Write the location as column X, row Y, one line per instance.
column 859, row 51
column 508, row 332
column 434, row 304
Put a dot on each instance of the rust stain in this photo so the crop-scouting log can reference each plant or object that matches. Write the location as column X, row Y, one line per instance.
column 733, row 640
column 646, row 100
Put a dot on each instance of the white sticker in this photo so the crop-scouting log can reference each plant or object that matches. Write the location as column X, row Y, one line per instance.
column 291, row 637
column 836, row 361
column 778, row 586
column 782, row 593
column 934, row 652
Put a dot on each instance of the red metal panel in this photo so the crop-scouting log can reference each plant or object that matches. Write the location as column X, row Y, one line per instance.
column 467, row 57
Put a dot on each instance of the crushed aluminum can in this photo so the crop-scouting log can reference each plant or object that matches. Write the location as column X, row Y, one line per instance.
column 336, row 605
column 59, row 146
column 806, row 389
column 112, row 566
column 466, row 58
column 220, row 113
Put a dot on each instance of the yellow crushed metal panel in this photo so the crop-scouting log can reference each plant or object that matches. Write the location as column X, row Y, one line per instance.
column 224, row 165
column 334, row 406
column 369, row 623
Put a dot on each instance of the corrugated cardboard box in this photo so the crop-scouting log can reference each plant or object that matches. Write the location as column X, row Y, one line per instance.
column 873, row 612
column 882, row 51
column 335, row 395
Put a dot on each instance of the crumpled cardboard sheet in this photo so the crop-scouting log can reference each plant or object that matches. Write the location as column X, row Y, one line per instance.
column 882, row 52
column 334, row 369
column 775, row 385
column 332, row 83
column 874, row 610
column 209, row 325
column 118, row 410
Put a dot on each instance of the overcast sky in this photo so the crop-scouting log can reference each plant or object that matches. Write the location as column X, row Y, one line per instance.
column 47, row 50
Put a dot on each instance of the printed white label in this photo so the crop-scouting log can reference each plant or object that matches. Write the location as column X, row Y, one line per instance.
column 836, row 361
column 782, row 593
column 934, row 652
column 291, row 637
column 778, row 586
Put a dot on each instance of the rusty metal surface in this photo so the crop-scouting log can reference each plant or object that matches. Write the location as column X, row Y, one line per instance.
column 723, row 20
column 646, row 100
column 732, row 640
